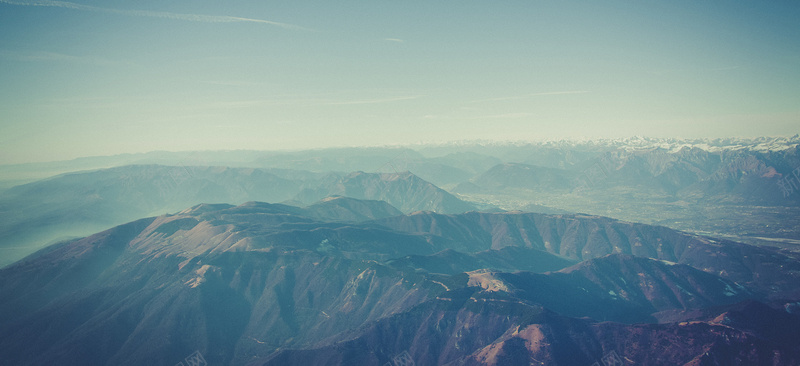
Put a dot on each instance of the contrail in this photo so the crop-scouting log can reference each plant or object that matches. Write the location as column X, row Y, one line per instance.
column 153, row 14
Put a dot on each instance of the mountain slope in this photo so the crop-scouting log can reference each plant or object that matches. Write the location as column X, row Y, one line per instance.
column 78, row 204
column 581, row 237
column 266, row 283
column 619, row 288
column 515, row 176
column 339, row 208
column 405, row 191
column 475, row 328
column 209, row 274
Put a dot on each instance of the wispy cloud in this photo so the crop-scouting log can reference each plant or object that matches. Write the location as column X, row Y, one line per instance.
column 305, row 102
column 532, row 95
column 255, row 103
column 152, row 14
column 510, row 115
column 375, row 101
column 505, row 116
column 57, row 57
column 238, row 83
column 398, row 40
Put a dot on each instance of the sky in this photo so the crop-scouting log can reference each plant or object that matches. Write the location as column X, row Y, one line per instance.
column 87, row 77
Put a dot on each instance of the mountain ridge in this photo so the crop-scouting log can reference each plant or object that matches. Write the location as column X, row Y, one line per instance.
column 249, row 283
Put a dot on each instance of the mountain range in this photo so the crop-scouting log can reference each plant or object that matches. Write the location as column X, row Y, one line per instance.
column 716, row 186
column 78, row 204
column 598, row 252
column 266, row 284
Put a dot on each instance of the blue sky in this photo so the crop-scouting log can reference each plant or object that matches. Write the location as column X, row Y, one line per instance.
column 105, row 77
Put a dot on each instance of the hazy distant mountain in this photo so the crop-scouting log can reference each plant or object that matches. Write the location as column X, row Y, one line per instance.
column 690, row 173
column 727, row 176
column 405, row 191
column 515, row 175
column 266, row 283
column 453, row 168
column 576, row 176
column 78, row 204
column 337, row 208
column 746, row 189
column 341, row 159
column 675, row 163
column 726, row 186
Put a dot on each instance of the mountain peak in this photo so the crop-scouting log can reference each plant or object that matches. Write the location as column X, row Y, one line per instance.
column 405, row 191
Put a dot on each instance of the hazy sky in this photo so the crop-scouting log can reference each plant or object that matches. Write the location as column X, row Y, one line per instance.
column 106, row 77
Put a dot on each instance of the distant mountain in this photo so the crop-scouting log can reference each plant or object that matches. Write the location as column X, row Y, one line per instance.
column 453, row 168
column 275, row 284
column 690, row 173
column 702, row 185
column 405, row 191
column 387, row 268
column 337, row 208
column 515, row 175
column 694, row 174
column 78, row 204
column 348, row 159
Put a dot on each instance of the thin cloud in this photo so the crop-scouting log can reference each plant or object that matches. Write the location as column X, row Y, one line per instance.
column 303, row 102
column 57, row 57
column 152, row 14
column 505, row 116
column 375, row 101
column 398, row 40
column 264, row 103
column 526, row 96
column 561, row 92
column 237, row 83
